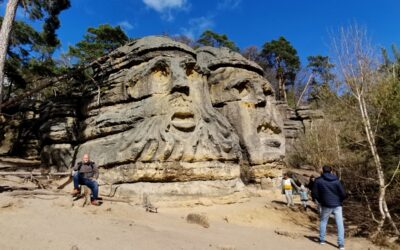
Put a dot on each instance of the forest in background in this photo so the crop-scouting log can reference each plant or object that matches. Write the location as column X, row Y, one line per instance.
column 357, row 86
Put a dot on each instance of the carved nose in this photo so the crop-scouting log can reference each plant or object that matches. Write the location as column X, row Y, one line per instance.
column 180, row 85
column 261, row 103
column 260, row 99
column 180, row 89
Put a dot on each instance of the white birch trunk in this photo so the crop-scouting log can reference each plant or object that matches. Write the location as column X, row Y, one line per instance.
column 385, row 214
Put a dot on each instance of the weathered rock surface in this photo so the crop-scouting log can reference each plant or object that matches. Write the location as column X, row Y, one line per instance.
column 19, row 132
column 240, row 92
column 161, row 125
column 8, row 136
column 175, row 191
column 166, row 119
column 59, row 155
column 297, row 122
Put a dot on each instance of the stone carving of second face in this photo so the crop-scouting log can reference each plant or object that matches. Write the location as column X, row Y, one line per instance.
column 241, row 94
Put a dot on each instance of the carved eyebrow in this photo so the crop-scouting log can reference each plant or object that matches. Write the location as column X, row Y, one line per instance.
column 188, row 63
column 156, row 64
column 238, row 83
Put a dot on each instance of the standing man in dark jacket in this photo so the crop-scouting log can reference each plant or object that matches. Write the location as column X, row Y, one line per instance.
column 329, row 192
column 86, row 173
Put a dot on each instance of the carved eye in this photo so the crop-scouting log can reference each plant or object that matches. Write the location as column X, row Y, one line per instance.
column 160, row 73
column 267, row 89
column 190, row 69
column 242, row 88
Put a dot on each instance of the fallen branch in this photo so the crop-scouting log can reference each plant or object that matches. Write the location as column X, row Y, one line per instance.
column 36, row 192
column 12, row 188
column 36, row 173
column 114, row 200
column 65, row 183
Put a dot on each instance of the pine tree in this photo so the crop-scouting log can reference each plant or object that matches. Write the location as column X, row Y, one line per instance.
column 213, row 39
column 282, row 57
column 98, row 42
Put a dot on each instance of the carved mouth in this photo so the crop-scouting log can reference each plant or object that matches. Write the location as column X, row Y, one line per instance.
column 268, row 128
column 272, row 143
column 184, row 121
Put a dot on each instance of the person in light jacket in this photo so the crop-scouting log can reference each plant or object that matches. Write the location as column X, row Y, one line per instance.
column 287, row 189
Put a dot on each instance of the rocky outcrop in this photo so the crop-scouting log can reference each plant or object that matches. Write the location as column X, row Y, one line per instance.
column 159, row 117
column 59, row 131
column 19, row 132
column 240, row 92
column 154, row 121
column 297, row 122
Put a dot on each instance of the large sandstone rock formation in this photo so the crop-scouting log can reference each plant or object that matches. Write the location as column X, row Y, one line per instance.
column 240, row 92
column 156, row 122
column 159, row 117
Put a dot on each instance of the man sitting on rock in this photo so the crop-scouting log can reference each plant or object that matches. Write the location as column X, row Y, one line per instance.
column 86, row 173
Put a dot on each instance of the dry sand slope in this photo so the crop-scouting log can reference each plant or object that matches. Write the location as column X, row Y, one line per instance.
column 53, row 222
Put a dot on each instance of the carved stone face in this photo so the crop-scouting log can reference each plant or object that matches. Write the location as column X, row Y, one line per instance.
column 175, row 83
column 247, row 100
column 176, row 135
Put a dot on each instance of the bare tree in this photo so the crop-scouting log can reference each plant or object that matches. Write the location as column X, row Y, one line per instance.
column 251, row 53
column 357, row 63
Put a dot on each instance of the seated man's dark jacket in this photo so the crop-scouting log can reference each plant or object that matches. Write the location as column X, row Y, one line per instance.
column 87, row 170
column 328, row 190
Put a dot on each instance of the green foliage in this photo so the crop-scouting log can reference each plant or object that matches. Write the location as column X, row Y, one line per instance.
column 340, row 139
column 385, row 100
column 29, row 55
column 98, row 42
column 321, row 67
column 49, row 11
column 282, row 57
column 213, row 39
column 291, row 97
column 323, row 77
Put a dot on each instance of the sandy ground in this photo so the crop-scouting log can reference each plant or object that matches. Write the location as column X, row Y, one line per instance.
column 54, row 222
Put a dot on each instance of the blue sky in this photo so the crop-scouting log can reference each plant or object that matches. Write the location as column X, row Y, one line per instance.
column 305, row 23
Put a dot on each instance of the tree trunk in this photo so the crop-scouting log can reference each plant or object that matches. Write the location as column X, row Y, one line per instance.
column 385, row 214
column 282, row 91
column 5, row 33
column 304, row 90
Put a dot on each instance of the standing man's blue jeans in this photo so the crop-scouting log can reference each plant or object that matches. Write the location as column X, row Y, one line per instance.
column 325, row 213
column 92, row 184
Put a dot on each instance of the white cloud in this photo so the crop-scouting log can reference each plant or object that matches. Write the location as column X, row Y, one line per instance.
column 126, row 25
column 197, row 26
column 165, row 5
column 228, row 4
